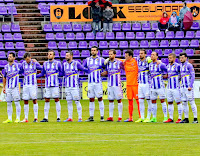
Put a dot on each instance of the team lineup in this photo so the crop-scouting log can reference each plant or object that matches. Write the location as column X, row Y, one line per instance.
column 144, row 78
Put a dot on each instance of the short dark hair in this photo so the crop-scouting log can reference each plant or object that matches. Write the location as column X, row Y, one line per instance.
column 95, row 47
column 172, row 54
column 144, row 51
column 185, row 3
column 130, row 52
column 51, row 50
column 11, row 53
column 183, row 53
column 113, row 50
column 70, row 52
column 155, row 52
column 27, row 55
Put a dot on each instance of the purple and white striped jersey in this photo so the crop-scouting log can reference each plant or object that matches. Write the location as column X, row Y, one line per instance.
column 51, row 69
column 173, row 76
column 71, row 73
column 143, row 69
column 11, row 73
column 156, row 72
column 187, row 75
column 29, row 70
column 114, row 69
column 95, row 66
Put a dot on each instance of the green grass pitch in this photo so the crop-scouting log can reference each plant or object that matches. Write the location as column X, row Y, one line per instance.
column 97, row 138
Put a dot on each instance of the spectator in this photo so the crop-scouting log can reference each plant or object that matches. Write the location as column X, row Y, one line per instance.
column 115, row 1
column 173, row 22
column 163, row 23
column 108, row 19
column 182, row 14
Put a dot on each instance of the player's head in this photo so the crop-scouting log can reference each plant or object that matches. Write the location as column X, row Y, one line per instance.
column 51, row 55
column 172, row 57
column 154, row 56
column 69, row 56
column 128, row 54
column 27, row 57
column 184, row 4
column 112, row 54
column 183, row 57
column 11, row 57
column 94, row 51
column 142, row 54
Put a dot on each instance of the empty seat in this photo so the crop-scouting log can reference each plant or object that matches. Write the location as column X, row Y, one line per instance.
column 165, row 60
column 184, row 43
column 60, row 36
column 57, row 28
column 62, row 45
column 179, row 35
column 21, row 54
column 17, row 37
column 99, row 36
column 189, row 34
column 80, row 36
column 48, row 28
column 174, row 44
column 123, row 44
column 146, row 26
column 105, row 53
column 113, row 44
column 3, row 63
column 1, row 46
column 110, row 36
column 118, row 53
column 87, row 27
column 116, row 27
column 1, row 37
column 20, row 46
column 90, row 36
column 44, row 11
column 93, row 43
column 160, row 35
column 52, row 45
column 144, row 44
column 63, row 53
column 8, row 37
column 67, row 28
column 50, row 36
column 195, row 26
column 178, row 51
column 9, row 46
column 155, row 26
column 136, row 52
column 150, row 35
column 85, row 53
column 136, row 27
column 169, row 35
column 140, row 35
column 76, row 53
column 15, row 28
column 190, row 52
column 149, row 51
column 82, row 45
column 164, row 44
column 194, row 43
column 130, row 35
column 167, row 52
column 120, row 35
column 77, row 27
column 70, row 36
column 159, row 51
column 3, row 10
column 134, row 44
column 5, row 28
column 103, row 44
column 72, row 45
column 56, row 54
column 126, row 27
column 2, row 55
column 154, row 44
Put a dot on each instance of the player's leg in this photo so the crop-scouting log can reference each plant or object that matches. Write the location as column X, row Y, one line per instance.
column 55, row 92
column 154, row 96
column 69, row 104
column 185, row 105
column 170, row 99
column 161, row 93
column 111, row 98
column 91, row 96
column 26, row 98
column 47, row 96
column 33, row 95
column 177, row 97
column 16, row 98
column 135, row 96
column 129, row 93
column 9, row 100
column 76, row 97
column 118, row 95
column 141, row 96
column 120, row 110
column 146, row 90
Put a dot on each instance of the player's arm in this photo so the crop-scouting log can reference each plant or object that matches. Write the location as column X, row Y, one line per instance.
column 163, row 67
column 60, row 69
column 38, row 66
column 21, row 69
column 4, row 81
column 85, row 63
column 192, row 75
column 105, row 72
column 42, row 73
column 121, row 66
column 82, row 68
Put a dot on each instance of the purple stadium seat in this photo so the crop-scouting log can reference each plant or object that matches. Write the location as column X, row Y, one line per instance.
column 195, row 26
column 174, row 44
column 70, row 3
column 120, row 35
column 190, row 52
column 149, row 51
column 123, row 44
column 177, row 60
column 167, row 52
column 3, row 63
column 136, row 52
column 20, row 46
column 144, row 44
column 160, row 35
column 80, row 36
column 82, row 45
column 62, row 45
column 179, row 35
column 8, row 37
column 1, row 46
column 158, row 2
column 99, row 36
column 12, row 10
column 93, row 43
column 15, row 28
column 110, row 36
column 70, row 36
column 50, row 36
column 21, row 54
column 159, row 51
column 184, row 44
column 178, row 2
column 126, row 27
column 90, row 36
column 164, row 44
column 87, row 27
column 79, row 3
column 60, row 36
column 9, row 46
column 154, row 44
column 103, row 44
column 1, row 37
column 189, row 34
column 76, row 53
column 56, row 54
column 105, row 53
column 44, row 11
column 57, row 28
column 136, row 27
column 170, row 35
column 197, row 34
column 72, row 45
column 41, row 5
column 8, row 1
column 48, row 28
column 150, row 35
column 168, row 1
column 130, row 35
column 52, row 45
column 148, row 2
column 63, row 53
column 60, row 3
column 134, row 44
column 67, row 28
column 194, row 43
column 178, row 51
column 17, row 37
column 85, row 53
column 118, row 53
column 116, row 27
column 49, row 5
column 155, row 26
column 113, row 44
column 77, row 27
column 2, row 55
column 146, row 26
column 165, row 60
column 140, row 35
column 3, row 10
column 5, row 28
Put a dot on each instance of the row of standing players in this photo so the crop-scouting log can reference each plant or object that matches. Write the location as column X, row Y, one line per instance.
column 144, row 79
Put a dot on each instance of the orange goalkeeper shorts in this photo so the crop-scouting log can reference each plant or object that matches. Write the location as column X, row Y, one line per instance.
column 132, row 92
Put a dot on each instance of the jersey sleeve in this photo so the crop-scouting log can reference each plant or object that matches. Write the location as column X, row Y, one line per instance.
column 80, row 67
column 4, row 72
column 38, row 66
column 85, row 63
column 192, row 74
column 163, row 67
column 42, row 72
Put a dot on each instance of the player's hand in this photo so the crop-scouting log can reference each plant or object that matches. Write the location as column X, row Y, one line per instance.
column 106, row 61
column 159, row 62
column 189, row 88
column 165, row 76
column 148, row 59
column 104, row 73
column 34, row 60
column 4, row 90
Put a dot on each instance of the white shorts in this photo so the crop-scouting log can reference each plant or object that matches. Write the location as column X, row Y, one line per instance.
column 144, row 91
column 115, row 92
column 52, row 92
column 72, row 93
column 187, row 95
column 157, row 92
column 12, row 94
column 30, row 92
column 95, row 90
column 174, row 95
